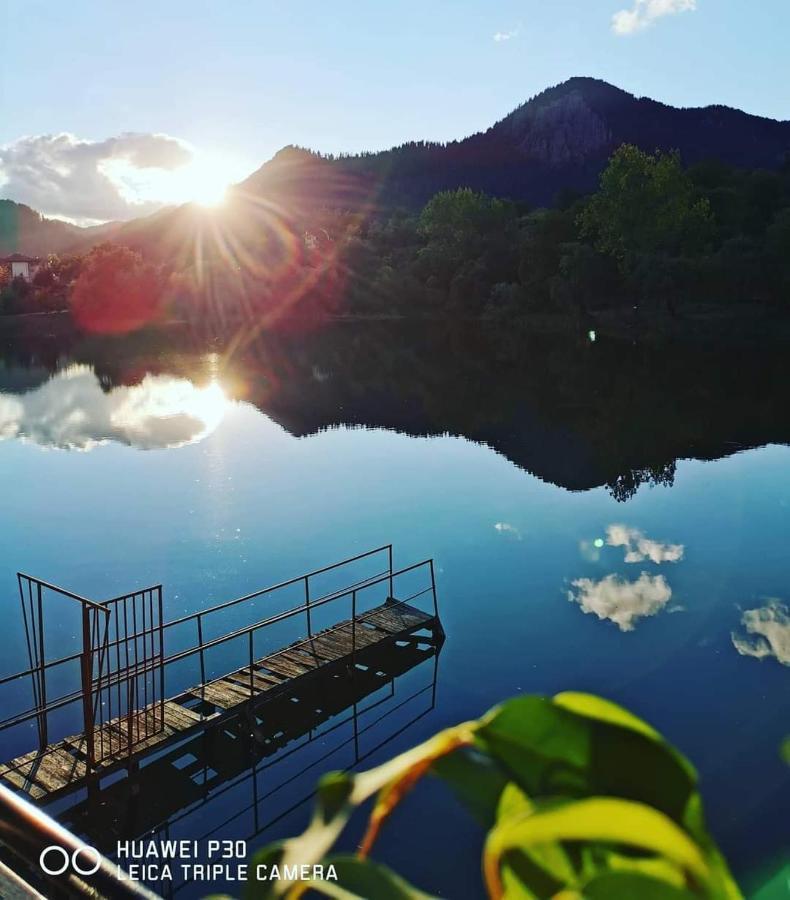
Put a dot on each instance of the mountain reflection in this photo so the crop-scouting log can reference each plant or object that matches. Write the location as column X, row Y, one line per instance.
column 614, row 413
column 71, row 411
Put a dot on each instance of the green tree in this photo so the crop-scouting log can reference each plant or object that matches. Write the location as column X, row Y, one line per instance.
column 646, row 205
column 777, row 242
column 469, row 231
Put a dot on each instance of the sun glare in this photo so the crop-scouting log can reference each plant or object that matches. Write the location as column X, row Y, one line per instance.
column 203, row 180
column 204, row 183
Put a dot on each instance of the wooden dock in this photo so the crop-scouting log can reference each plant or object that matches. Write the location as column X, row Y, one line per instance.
column 71, row 763
column 339, row 716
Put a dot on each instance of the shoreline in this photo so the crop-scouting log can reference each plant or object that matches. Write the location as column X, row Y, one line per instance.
column 703, row 323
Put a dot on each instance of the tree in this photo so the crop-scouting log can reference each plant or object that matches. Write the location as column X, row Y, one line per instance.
column 116, row 291
column 778, row 252
column 646, row 205
column 463, row 226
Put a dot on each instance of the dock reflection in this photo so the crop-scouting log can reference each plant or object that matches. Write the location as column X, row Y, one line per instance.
column 241, row 778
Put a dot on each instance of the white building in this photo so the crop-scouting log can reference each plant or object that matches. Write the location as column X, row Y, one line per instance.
column 21, row 265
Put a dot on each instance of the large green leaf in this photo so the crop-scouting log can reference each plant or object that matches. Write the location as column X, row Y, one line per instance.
column 543, row 748
column 579, row 746
column 601, row 820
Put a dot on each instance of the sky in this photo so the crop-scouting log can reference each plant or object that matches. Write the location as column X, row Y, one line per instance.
column 111, row 109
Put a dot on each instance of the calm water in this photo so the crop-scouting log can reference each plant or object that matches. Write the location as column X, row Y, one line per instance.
column 604, row 517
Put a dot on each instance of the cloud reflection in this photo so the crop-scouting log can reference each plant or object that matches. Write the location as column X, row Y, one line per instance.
column 507, row 528
column 621, row 601
column 71, row 411
column 640, row 548
column 768, row 630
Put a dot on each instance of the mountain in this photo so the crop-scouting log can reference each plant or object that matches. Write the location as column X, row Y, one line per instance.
column 560, row 139
column 23, row 230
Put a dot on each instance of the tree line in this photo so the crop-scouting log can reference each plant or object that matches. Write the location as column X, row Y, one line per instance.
column 655, row 238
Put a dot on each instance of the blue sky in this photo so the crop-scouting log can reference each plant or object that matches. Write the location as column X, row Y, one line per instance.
column 241, row 78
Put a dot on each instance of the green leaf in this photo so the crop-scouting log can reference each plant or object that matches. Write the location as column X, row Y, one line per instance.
column 544, row 865
column 582, row 746
column 593, row 707
column 598, row 819
column 543, row 748
column 633, row 886
column 363, row 878
column 263, row 890
column 475, row 780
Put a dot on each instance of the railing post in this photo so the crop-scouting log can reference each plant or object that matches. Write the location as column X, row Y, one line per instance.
column 353, row 626
column 161, row 663
column 391, row 587
column 200, row 644
column 307, row 605
column 87, row 679
column 42, row 725
column 433, row 589
column 252, row 678
column 131, row 683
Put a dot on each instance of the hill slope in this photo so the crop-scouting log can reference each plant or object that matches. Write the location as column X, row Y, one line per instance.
column 558, row 139
column 23, row 230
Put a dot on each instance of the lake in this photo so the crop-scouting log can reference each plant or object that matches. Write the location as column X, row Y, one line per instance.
column 604, row 515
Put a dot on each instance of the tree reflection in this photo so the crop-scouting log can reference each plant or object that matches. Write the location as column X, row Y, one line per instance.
column 615, row 413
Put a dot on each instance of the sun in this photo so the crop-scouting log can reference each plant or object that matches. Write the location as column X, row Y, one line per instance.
column 204, row 180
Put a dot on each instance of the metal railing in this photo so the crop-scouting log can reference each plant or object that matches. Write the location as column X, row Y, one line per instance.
column 28, row 832
column 138, row 653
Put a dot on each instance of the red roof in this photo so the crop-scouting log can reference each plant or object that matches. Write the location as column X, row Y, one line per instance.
column 17, row 257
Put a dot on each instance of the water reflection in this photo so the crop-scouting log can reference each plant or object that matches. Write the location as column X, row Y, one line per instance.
column 573, row 413
column 768, row 632
column 621, row 601
column 71, row 411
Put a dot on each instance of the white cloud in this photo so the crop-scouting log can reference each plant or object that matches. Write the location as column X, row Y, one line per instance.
column 91, row 181
column 644, row 13
column 501, row 36
column 768, row 628
column 72, row 412
column 507, row 528
column 639, row 548
column 620, row 601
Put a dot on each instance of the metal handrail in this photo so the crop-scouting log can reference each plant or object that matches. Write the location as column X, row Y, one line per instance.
column 276, row 587
column 100, row 684
column 190, row 616
column 27, row 832
column 294, row 611
column 94, row 686
column 70, row 594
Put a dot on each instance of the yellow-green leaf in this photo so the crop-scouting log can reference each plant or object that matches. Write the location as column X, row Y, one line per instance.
column 598, row 819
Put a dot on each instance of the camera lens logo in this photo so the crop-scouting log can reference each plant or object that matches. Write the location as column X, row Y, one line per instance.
column 56, row 860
